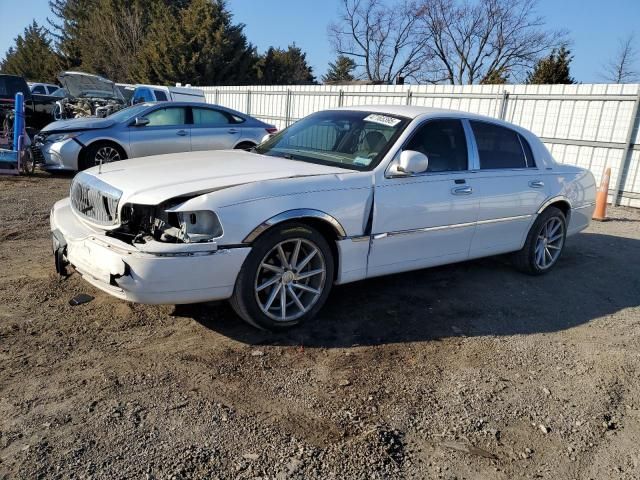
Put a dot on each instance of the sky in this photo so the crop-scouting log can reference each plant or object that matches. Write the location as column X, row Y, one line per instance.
column 594, row 27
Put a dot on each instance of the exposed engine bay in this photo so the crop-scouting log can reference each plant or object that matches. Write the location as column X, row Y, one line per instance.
column 88, row 96
column 166, row 223
column 85, row 107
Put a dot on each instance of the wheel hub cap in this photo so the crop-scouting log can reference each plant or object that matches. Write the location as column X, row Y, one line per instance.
column 288, row 277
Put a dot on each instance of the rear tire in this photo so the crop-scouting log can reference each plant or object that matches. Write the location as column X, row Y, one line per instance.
column 544, row 245
column 273, row 293
column 107, row 151
column 245, row 146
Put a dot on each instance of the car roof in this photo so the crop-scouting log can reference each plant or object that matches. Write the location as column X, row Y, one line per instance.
column 414, row 112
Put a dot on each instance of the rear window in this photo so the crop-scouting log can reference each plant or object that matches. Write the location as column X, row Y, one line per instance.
column 498, row 147
column 10, row 85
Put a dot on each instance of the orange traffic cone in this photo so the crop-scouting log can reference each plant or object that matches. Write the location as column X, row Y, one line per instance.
column 600, row 212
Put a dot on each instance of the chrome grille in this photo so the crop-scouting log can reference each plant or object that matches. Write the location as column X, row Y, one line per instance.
column 95, row 200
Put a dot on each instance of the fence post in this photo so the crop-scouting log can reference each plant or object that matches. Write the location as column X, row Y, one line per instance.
column 248, row 112
column 217, row 97
column 287, row 109
column 627, row 153
column 502, row 109
column 340, row 97
column 409, row 95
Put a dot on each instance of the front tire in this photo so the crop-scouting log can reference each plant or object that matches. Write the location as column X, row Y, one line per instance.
column 101, row 151
column 286, row 278
column 544, row 244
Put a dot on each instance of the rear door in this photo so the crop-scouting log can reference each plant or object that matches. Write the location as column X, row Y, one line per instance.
column 509, row 186
column 167, row 132
column 213, row 129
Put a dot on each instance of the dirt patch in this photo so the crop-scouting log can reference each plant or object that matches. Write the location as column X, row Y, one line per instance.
column 466, row 371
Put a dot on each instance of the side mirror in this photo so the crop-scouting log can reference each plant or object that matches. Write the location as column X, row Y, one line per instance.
column 140, row 122
column 411, row 162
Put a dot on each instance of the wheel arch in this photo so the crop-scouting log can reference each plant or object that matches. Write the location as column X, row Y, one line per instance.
column 560, row 202
column 327, row 225
column 244, row 142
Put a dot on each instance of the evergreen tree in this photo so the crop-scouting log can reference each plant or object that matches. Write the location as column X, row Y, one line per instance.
column 340, row 70
column 285, row 67
column 553, row 69
column 32, row 56
column 68, row 27
column 196, row 44
column 495, row 77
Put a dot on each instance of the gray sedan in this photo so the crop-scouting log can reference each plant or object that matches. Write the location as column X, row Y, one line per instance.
column 146, row 129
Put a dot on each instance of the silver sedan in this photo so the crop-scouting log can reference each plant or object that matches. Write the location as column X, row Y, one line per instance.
column 146, row 129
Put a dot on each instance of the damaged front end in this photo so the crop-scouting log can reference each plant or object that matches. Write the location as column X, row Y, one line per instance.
column 144, row 226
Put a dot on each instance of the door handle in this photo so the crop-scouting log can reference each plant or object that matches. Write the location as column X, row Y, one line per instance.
column 232, row 130
column 536, row 184
column 182, row 133
column 466, row 190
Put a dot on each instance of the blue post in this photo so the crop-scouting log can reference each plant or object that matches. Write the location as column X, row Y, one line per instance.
column 18, row 121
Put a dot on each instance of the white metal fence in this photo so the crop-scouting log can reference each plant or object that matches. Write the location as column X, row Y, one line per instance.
column 593, row 126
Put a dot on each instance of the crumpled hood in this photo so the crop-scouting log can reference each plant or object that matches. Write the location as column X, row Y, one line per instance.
column 80, row 84
column 152, row 180
column 78, row 124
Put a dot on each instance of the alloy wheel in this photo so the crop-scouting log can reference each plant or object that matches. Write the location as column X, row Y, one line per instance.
column 549, row 243
column 290, row 279
column 106, row 154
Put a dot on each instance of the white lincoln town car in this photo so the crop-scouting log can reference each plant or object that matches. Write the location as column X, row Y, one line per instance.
column 340, row 196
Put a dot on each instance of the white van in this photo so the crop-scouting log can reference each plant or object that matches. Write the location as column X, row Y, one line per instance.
column 156, row 93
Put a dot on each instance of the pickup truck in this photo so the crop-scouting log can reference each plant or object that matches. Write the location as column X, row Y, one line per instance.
column 38, row 108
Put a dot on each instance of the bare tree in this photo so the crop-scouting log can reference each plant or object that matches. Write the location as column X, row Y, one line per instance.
column 381, row 38
column 622, row 68
column 472, row 41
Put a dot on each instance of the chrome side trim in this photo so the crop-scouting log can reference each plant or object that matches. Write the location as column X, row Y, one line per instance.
column 586, row 205
column 379, row 236
column 503, row 219
column 292, row 215
column 553, row 200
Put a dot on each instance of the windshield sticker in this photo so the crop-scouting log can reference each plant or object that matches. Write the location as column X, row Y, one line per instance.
column 364, row 161
column 382, row 120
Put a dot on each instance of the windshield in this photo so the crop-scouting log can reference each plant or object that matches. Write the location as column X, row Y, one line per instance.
column 348, row 139
column 127, row 113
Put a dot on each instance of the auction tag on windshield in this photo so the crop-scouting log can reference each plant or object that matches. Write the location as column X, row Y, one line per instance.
column 382, row 120
column 364, row 161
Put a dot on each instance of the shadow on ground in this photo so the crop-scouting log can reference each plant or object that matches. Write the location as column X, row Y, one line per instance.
column 483, row 297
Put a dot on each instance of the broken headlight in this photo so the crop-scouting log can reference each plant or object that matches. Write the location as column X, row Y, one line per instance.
column 198, row 226
column 142, row 223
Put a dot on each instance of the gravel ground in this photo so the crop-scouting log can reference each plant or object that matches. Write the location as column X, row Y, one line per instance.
column 471, row 371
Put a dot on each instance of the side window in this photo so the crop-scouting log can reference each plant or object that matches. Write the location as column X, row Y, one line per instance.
column 51, row 89
column 142, row 95
column 39, row 89
column 498, row 147
column 209, row 117
column 166, row 117
column 531, row 162
column 444, row 144
column 160, row 95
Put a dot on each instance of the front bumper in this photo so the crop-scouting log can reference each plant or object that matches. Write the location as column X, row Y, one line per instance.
column 124, row 271
column 60, row 156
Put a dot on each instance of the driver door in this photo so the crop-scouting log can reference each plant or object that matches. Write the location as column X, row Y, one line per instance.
column 428, row 218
